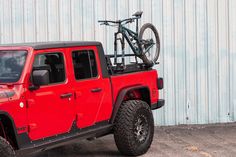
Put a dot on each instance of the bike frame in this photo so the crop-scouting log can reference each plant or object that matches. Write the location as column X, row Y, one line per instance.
column 128, row 35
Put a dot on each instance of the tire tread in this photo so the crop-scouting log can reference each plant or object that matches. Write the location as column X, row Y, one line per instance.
column 123, row 128
column 6, row 150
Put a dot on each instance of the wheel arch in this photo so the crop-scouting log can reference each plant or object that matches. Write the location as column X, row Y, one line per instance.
column 7, row 125
column 143, row 90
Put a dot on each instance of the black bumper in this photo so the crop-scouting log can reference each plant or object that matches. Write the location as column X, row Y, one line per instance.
column 158, row 105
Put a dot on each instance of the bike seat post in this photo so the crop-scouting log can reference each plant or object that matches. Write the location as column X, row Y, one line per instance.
column 137, row 26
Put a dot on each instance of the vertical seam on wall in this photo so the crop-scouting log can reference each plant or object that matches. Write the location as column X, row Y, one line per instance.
column 116, row 9
column 128, row 8
column 35, row 21
column 196, row 64
column 231, row 84
column 59, row 19
column 207, row 75
column 82, row 9
column 93, row 14
column 48, row 19
column 117, row 16
column 185, row 60
column 228, row 56
column 174, row 51
column 218, row 63
column 155, row 117
column 105, row 34
column 71, row 26
column 207, row 50
column 47, row 32
column 11, row 24
column 196, row 55
column 140, row 4
column 23, row 19
column 151, row 11
column 164, row 109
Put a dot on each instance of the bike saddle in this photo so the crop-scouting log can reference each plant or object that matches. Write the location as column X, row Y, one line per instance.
column 138, row 14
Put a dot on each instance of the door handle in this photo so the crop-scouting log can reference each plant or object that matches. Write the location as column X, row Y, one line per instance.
column 95, row 90
column 67, row 95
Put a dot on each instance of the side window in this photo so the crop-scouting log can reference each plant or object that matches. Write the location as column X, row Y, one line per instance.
column 84, row 64
column 54, row 63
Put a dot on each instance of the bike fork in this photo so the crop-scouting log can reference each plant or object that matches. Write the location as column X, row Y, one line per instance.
column 122, row 41
column 115, row 49
column 123, row 50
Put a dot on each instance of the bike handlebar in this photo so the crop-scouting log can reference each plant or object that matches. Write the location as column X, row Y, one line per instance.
column 129, row 20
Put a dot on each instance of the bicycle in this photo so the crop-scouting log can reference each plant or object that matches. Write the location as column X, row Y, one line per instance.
column 140, row 46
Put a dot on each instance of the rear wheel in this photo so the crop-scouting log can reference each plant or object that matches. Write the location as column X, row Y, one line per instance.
column 6, row 149
column 150, row 43
column 134, row 128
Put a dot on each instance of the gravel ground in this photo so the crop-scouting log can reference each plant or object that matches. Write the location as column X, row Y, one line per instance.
column 217, row 140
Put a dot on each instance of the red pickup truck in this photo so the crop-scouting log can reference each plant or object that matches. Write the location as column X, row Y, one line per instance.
column 56, row 93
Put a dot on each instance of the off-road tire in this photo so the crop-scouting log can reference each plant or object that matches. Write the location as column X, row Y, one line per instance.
column 124, row 129
column 6, row 149
column 157, row 51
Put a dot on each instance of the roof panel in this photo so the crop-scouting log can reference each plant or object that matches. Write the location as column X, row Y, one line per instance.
column 50, row 45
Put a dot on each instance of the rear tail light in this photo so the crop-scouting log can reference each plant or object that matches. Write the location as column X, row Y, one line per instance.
column 160, row 83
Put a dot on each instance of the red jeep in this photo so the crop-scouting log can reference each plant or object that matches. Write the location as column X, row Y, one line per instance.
column 56, row 93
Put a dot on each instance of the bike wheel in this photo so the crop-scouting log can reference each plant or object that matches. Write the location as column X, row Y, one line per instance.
column 150, row 44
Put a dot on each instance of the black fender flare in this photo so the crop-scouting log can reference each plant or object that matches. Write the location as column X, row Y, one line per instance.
column 120, row 99
column 13, row 125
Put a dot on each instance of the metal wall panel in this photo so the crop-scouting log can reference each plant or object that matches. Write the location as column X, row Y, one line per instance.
column 198, row 41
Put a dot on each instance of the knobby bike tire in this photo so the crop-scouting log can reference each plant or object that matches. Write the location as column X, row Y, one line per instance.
column 157, row 51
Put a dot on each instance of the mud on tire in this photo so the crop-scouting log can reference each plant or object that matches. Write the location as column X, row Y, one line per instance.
column 134, row 128
column 6, row 149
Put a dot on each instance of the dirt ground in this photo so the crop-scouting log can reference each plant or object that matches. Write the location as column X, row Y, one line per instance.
column 217, row 140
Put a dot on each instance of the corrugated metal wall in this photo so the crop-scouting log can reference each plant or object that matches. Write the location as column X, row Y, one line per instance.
column 198, row 37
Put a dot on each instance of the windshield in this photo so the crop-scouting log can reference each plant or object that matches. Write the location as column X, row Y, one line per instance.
column 11, row 65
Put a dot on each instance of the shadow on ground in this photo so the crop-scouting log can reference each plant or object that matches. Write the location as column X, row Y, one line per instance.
column 179, row 141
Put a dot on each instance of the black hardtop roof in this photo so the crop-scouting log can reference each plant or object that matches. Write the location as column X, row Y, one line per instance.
column 54, row 44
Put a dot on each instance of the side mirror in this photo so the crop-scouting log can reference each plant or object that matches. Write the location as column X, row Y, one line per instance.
column 39, row 78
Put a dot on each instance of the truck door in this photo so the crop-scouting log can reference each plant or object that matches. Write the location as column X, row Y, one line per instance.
column 50, row 108
column 93, row 97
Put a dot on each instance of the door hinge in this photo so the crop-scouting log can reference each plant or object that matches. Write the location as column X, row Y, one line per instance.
column 29, row 103
column 78, row 94
column 79, row 116
column 32, row 126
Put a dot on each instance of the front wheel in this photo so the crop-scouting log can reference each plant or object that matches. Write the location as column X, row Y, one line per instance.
column 134, row 128
column 6, row 149
column 150, row 44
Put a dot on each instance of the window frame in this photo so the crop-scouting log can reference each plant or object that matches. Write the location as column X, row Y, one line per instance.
column 95, row 56
column 23, row 68
column 64, row 61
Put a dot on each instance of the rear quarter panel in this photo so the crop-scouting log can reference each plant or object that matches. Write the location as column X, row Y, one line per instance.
column 144, row 78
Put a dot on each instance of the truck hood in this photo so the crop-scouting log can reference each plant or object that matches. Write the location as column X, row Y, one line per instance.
column 6, row 93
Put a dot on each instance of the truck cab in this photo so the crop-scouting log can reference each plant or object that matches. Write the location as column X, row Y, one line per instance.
column 59, row 92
